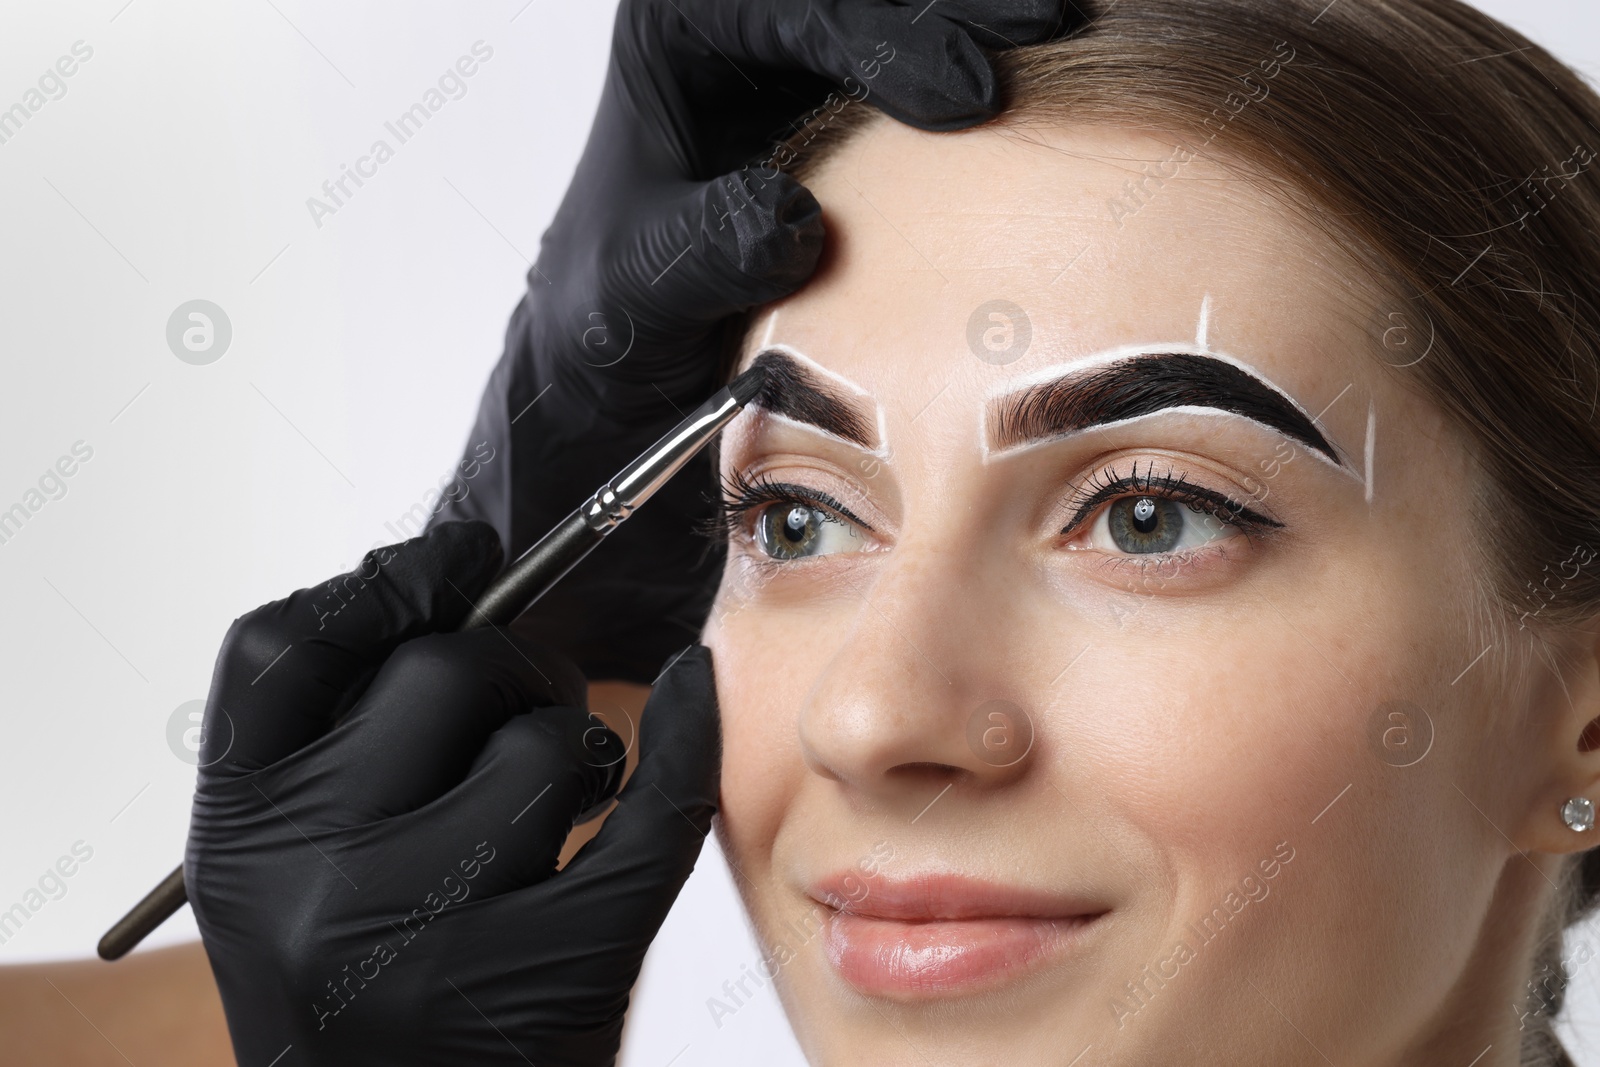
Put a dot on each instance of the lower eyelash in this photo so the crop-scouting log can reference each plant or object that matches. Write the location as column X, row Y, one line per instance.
column 1106, row 485
column 1159, row 563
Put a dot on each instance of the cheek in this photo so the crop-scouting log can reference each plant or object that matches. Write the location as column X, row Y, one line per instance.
column 1251, row 739
column 1262, row 733
column 762, row 674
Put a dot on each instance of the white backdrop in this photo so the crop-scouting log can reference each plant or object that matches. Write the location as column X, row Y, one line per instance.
column 173, row 165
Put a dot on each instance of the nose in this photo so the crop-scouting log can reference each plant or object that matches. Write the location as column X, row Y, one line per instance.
column 925, row 690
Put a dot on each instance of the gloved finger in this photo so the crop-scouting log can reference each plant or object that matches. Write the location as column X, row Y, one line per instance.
column 923, row 65
column 1010, row 23
column 288, row 668
column 720, row 248
column 418, row 729
column 533, row 778
column 633, row 869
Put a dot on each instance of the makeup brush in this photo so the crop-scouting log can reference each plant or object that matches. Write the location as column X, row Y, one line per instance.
column 528, row 578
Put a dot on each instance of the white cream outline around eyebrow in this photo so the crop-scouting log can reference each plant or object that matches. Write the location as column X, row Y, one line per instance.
column 883, row 451
column 1371, row 446
column 1120, row 353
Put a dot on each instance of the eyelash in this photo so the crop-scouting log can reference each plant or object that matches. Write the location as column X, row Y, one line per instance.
column 742, row 496
column 1107, row 485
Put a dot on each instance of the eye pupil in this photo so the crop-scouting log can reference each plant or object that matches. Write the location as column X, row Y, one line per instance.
column 1144, row 513
column 795, row 524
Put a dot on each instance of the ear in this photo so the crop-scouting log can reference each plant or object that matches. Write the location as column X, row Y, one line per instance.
column 1569, row 745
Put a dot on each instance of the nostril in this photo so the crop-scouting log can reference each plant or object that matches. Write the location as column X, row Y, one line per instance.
column 925, row 767
column 936, row 773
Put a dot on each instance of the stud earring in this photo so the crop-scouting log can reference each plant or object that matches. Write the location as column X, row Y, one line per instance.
column 1578, row 813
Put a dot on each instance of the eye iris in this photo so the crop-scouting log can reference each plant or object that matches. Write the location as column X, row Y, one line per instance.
column 1146, row 524
column 789, row 531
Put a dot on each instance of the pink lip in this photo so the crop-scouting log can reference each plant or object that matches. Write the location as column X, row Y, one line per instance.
column 942, row 934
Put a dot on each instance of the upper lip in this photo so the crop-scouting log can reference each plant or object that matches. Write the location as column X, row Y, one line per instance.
column 935, row 896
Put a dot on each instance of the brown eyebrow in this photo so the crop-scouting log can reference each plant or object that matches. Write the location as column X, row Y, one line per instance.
column 792, row 389
column 1141, row 385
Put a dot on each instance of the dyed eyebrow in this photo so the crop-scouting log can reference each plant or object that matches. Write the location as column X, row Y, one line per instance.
column 794, row 390
column 1142, row 385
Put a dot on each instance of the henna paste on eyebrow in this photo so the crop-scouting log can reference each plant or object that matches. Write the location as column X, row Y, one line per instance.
column 792, row 390
column 1143, row 385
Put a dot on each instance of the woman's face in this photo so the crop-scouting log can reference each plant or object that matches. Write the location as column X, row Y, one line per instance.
column 1102, row 675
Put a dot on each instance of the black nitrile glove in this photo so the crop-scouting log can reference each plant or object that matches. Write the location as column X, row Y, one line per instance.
column 656, row 253
column 379, row 811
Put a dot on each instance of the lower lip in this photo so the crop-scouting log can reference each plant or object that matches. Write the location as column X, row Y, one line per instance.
column 911, row 960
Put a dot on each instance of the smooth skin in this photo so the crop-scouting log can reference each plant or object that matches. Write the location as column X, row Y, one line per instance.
column 1191, row 720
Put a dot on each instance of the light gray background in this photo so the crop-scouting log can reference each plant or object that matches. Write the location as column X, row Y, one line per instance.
column 177, row 167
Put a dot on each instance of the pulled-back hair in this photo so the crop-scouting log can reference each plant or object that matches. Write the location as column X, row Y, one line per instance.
column 1460, row 164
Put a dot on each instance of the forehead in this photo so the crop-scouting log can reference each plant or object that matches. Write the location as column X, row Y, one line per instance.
column 964, row 261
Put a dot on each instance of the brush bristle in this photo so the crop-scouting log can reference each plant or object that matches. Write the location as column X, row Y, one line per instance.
column 745, row 387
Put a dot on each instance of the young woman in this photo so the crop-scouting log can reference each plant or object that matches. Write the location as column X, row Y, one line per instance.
column 1159, row 623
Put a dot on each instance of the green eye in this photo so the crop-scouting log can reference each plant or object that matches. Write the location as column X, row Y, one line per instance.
column 787, row 522
column 1145, row 513
column 1141, row 525
column 792, row 530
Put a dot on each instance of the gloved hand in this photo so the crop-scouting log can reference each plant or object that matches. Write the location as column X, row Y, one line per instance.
column 380, row 808
column 665, row 238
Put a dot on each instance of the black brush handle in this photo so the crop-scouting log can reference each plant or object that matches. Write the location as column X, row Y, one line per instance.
column 156, row 908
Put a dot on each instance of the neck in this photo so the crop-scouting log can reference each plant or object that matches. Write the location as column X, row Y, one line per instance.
column 1485, row 1017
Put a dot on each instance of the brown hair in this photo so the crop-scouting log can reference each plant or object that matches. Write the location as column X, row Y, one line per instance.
column 1457, row 161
